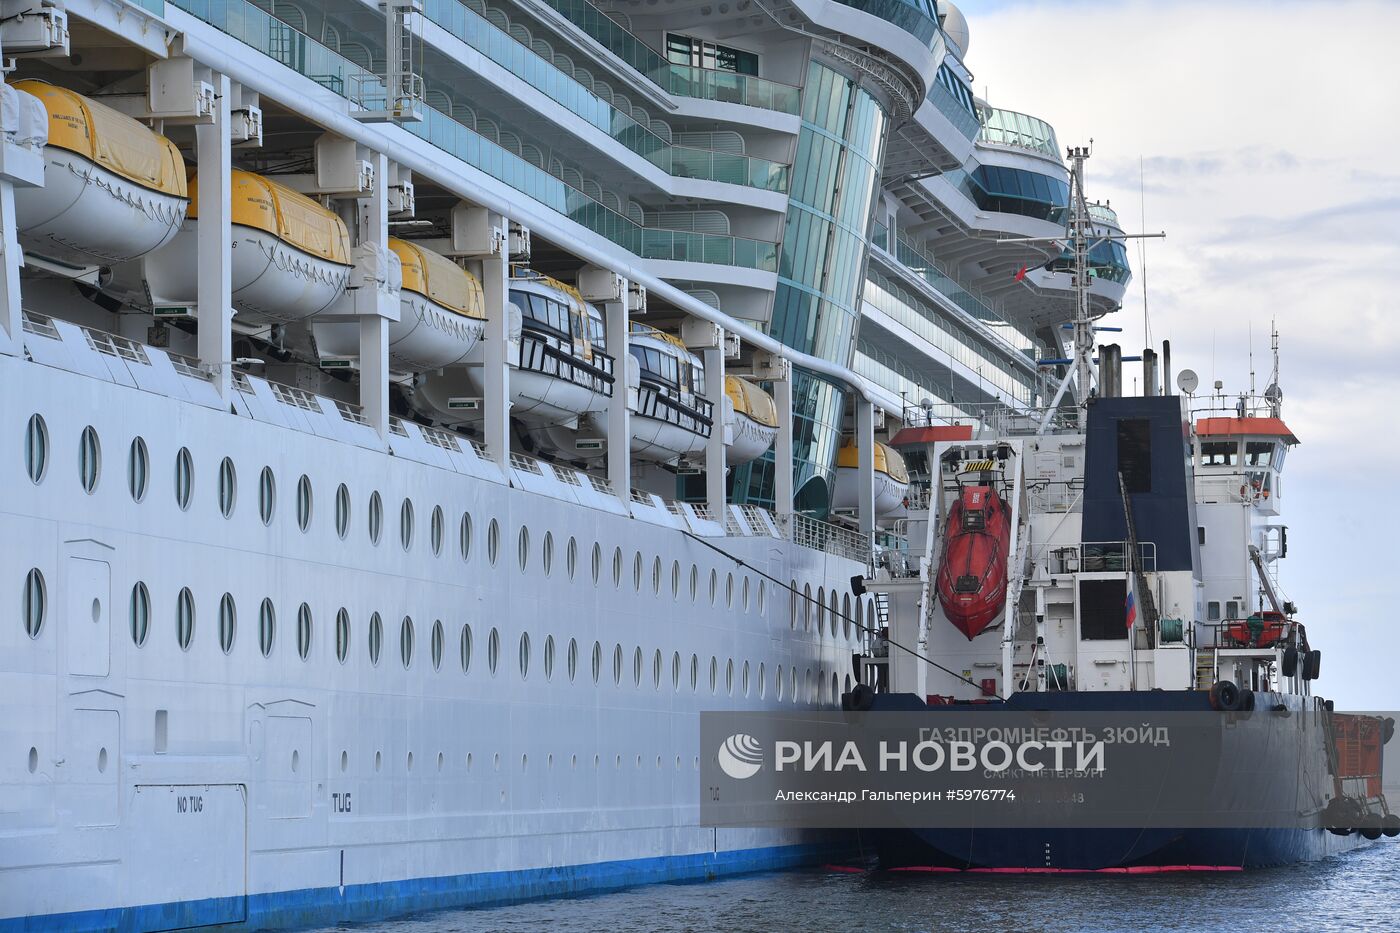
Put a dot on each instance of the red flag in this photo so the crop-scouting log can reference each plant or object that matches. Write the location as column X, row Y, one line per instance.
column 1131, row 606
column 1020, row 273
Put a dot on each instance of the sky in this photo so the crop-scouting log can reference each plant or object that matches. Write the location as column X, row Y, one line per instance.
column 1264, row 139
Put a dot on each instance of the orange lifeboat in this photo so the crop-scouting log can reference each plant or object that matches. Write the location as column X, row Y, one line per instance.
column 972, row 570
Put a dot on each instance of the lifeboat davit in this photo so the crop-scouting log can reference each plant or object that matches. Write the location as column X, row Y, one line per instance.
column 442, row 314
column 750, row 420
column 972, row 569
column 665, row 389
column 291, row 256
column 113, row 189
column 891, row 478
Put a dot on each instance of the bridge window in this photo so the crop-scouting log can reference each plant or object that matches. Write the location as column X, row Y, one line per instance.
column 1220, row 453
column 1258, row 453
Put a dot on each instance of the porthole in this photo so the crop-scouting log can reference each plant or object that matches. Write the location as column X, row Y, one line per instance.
column 342, row 511
column 228, row 487
column 406, row 642
column 821, row 608
column 376, row 517
column 267, row 627
column 522, row 548
column 571, row 557
column 435, row 642
column 548, row 657
column 435, row 530
column 729, row 677
column 139, row 614
column 744, row 683
column 656, row 669
column 524, row 655
column 714, row 673
column 694, row 672
column 845, row 615
column 778, row 684
column 572, row 659
column 637, row 572
column 637, row 667
column 762, row 681
column 807, row 607
column 833, row 607
column 304, row 502
column 304, row 631
column 762, row 596
column 617, row 567
column 376, row 638
column 694, row 582
column 464, row 536
column 676, row 670
column 597, row 563
column 36, row 448
column 617, row 664
column 267, row 495
column 793, row 597
column 792, row 682
column 675, row 579
column 714, row 585
column 729, row 591
column 89, row 459
column 493, row 651
column 835, row 689
column 228, row 622
column 493, row 541
column 184, row 478
column 547, row 553
column 342, row 635
column 406, row 524
column 138, row 469
column 464, row 648
column 597, row 661
column 35, row 603
column 184, row 619
column 746, row 594
column 656, row 576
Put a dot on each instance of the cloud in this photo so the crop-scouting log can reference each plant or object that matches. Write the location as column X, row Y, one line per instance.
column 1259, row 137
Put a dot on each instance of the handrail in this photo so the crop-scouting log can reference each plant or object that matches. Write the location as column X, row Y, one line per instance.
column 538, row 355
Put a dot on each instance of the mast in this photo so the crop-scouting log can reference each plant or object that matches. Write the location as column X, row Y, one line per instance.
column 1079, row 233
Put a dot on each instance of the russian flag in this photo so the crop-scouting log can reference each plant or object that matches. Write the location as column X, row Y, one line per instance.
column 1131, row 604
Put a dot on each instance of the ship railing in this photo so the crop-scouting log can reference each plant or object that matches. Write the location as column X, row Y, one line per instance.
column 818, row 535
column 538, row 355
column 1110, row 556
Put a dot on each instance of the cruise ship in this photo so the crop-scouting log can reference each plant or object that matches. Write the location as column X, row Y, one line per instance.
column 416, row 413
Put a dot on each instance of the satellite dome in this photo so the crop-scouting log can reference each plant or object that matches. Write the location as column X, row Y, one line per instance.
column 955, row 26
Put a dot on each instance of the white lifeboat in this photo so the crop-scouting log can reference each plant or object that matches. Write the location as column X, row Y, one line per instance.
column 113, row 189
column 891, row 478
column 671, row 417
column 441, row 317
column 291, row 256
column 750, row 420
column 558, row 370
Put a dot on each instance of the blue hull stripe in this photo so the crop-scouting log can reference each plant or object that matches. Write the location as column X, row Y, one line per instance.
column 320, row 906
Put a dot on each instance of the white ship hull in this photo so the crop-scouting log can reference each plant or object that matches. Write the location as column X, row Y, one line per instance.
column 207, row 786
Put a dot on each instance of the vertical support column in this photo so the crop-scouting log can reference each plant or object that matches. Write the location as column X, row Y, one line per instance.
column 11, row 319
column 495, row 380
column 619, row 406
column 374, row 326
column 716, row 466
column 865, row 448
column 782, row 448
column 214, row 295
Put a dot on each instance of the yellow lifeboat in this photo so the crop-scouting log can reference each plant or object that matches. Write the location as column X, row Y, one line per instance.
column 291, row 256
column 891, row 478
column 113, row 189
column 441, row 318
column 750, row 420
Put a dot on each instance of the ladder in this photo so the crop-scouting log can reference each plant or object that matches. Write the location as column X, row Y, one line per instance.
column 1205, row 668
column 882, row 609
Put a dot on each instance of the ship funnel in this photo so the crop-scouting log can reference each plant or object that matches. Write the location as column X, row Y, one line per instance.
column 1149, row 372
column 1110, row 370
column 1167, row 367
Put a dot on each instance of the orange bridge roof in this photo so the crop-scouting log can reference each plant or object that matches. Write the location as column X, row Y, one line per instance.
column 1234, row 427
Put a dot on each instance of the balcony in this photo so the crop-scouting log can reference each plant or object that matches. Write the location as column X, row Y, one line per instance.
column 543, row 75
column 297, row 51
column 681, row 80
column 916, row 17
column 1019, row 131
column 947, row 104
